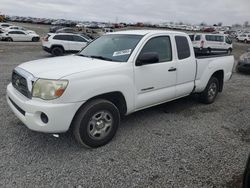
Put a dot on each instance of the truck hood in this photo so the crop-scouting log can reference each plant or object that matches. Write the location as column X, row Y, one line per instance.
column 58, row 67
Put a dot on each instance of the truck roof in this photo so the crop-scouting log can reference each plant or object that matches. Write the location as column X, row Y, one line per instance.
column 145, row 32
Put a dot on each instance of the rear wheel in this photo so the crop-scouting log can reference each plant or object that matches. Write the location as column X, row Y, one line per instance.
column 245, row 41
column 9, row 39
column 211, row 91
column 35, row 39
column 96, row 123
column 57, row 51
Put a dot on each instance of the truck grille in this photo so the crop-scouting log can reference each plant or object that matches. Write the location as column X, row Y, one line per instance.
column 20, row 83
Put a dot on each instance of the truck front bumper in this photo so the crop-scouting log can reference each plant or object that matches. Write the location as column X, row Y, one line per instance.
column 31, row 112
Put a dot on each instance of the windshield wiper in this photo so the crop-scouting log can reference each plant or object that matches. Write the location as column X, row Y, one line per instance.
column 98, row 57
column 101, row 57
column 83, row 55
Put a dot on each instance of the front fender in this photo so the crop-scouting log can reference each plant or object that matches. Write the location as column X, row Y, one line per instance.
column 84, row 87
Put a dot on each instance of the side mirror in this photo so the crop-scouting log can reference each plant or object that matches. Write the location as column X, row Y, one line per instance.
column 147, row 58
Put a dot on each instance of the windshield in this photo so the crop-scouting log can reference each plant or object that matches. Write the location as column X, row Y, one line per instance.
column 115, row 47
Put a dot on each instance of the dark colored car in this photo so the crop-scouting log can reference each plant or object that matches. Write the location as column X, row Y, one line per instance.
column 65, row 30
column 244, row 64
column 53, row 29
column 208, row 29
column 246, row 177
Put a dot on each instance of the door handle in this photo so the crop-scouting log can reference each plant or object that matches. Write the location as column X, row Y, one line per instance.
column 172, row 69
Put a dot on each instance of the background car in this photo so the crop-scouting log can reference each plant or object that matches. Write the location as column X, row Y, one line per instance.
column 18, row 28
column 53, row 29
column 244, row 38
column 209, row 43
column 4, row 25
column 60, row 43
column 244, row 63
column 66, row 30
column 19, row 35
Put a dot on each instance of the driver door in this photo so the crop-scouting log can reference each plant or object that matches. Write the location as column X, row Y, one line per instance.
column 156, row 82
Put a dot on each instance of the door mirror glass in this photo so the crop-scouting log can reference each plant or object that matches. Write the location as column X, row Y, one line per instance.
column 147, row 58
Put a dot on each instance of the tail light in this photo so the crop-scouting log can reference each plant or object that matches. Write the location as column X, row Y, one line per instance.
column 46, row 38
column 202, row 43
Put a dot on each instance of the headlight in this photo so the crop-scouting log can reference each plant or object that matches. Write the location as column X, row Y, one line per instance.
column 49, row 89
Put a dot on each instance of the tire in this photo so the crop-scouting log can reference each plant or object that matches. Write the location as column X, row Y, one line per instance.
column 229, row 51
column 209, row 50
column 210, row 93
column 246, row 175
column 57, row 51
column 9, row 39
column 35, row 39
column 245, row 41
column 96, row 123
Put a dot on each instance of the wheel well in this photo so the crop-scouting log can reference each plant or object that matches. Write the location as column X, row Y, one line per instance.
column 116, row 98
column 60, row 46
column 220, row 76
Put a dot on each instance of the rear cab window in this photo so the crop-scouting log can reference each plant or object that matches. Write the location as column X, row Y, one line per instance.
column 191, row 37
column 183, row 48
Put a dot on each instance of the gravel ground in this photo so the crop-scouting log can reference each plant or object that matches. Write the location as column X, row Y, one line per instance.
column 178, row 144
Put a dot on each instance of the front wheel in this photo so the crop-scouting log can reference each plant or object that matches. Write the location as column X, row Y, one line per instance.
column 35, row 39
column 211, row 91
column 229, row 51
column 96, row 123
column 209, row 50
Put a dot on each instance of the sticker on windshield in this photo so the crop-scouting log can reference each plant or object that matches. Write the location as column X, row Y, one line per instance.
column 122, row 52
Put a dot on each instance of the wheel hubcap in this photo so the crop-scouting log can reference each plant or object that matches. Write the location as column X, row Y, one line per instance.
column 212, row 90
column 100, row 125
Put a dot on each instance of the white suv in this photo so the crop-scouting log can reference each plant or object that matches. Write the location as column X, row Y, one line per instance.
column 211, row 43
column 244, row 38
column 59, row 43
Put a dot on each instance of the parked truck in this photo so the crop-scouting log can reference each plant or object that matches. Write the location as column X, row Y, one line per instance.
column 115, row 75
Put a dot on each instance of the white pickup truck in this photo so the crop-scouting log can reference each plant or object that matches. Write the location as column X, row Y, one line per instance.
column 117, row 74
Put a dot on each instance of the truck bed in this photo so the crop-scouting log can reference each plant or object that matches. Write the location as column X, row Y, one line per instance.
column 208, row 64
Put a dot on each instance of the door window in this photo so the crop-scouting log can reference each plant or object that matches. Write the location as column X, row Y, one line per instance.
column 161, row 46
column 20, row 33
column 79, row 39
column 228, row 41
column 64, row 37
column 197, row 38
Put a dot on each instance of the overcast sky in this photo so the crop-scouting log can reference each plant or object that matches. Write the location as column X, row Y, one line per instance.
column 155, row 11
